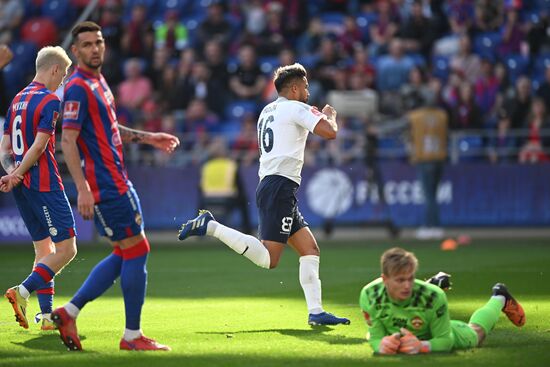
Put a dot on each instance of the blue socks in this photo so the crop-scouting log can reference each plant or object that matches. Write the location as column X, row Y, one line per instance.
column 40, row 276
column 133, row 281
column 101, row 278
column 45, row 297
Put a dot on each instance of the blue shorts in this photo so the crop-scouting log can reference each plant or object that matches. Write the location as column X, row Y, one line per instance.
column 119, row 218
column 278, row 209
column 46, row 214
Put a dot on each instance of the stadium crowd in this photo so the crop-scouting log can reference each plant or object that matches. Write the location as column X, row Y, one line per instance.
column 201, row 69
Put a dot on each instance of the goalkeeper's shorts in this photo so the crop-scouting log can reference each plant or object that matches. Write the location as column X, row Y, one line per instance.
column 463, row 335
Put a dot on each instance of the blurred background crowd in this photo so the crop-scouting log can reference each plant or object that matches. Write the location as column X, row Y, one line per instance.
column 201, row 69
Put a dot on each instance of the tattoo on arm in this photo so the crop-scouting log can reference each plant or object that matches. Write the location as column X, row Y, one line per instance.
column 7, row 162
column 132, row 136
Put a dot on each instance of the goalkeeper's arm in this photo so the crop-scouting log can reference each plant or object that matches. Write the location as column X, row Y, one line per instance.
column 440, row 326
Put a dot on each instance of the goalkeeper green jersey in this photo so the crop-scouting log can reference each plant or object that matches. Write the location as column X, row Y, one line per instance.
column 425, row 314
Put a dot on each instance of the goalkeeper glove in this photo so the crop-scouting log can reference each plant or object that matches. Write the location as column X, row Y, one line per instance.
column 389, row 344
column 442, row 280
column 410, row 344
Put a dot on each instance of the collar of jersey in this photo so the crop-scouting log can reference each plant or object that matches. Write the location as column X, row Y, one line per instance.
column 87, row 74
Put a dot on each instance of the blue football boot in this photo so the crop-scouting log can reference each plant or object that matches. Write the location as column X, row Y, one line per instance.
column 325, row 318
column 197, row 226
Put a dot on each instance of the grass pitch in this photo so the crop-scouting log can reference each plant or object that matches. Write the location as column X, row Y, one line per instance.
column 217, row 309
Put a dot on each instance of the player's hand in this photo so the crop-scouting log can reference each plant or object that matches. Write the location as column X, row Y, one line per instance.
column 329, row 111
column 390, row 344
column 5, row 56
column 85, row 204
column 8, row 182
column 164, row 142
column 410, row 344
column 442, row 280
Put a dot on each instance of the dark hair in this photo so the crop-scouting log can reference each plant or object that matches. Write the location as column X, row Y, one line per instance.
column 82, row 27
column 284, row 75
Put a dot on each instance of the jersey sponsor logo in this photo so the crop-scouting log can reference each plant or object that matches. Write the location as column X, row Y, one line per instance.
column 286, row 224
column 55, row 117
column 399, row 322
column 139, row 220
column 71, row 110
column 315, row 111
column 417, row 322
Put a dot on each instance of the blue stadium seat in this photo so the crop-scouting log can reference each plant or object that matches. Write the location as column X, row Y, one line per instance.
column 236, row 110
column 418, row 59
column 15, row 79
column 182, row 7
column 543, row 5
column 60, row 11
column 308, row 61
column 516, row 65
column 486, row 44
column 363, row 23
column 470, row 148
column 268, row 64
column 542, row 61
column 24, row 55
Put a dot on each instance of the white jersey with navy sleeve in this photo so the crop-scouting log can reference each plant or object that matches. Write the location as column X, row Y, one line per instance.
column 283, row 127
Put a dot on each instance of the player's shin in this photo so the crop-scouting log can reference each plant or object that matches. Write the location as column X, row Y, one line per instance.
column 310, row 282
column 243, row 244
column 487, row 316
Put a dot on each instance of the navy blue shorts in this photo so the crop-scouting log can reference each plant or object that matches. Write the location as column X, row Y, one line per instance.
column 46, row 214
column 119, row 218
column 278, row 209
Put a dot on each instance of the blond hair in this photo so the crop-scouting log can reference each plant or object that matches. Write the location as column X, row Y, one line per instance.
column 396, row 260
column 52, row 55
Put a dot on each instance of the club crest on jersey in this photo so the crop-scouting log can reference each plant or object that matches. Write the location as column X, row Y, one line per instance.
column 55, row 118
column 315, row 111
column 115, row 139
column 71, row 110
column 417, row 322
column 367, row 318
column 53, row 231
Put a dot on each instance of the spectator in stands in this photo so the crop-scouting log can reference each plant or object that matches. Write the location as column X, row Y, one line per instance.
column 544, row 88
column 512, row 34
column 466, row 63
column 5, row 57
column 286, row 57
column 383, row 28
column 487, row 88
column 538, row 34
column 417, row 32
column 461, row 14
column 171, row 34
column 161, row 59
column 136, row 89
column 198, row 119
column 361, row 65
column 351, row 36
column 535, row 148
column 329, row 60
column 393, row 69
column 247, row 82
column 245, row 145
column 254, row 16
column 466, row 114
column 310, row 41
column 501, row 145
column 11, row 15
column 167, row 92
column 203, row 86
column 215, row 60
column 214, row 26
column 273, row 38
column 488, row 15
column 517, row 107
column 138, row 38
column 414, row 90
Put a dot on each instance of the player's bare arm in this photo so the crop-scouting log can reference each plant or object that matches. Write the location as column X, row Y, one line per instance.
column 72, row 158
column 162, row 141
column 6, row 158
column 327, row 128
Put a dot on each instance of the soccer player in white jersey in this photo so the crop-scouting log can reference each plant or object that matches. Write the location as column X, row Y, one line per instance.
column 283, row 127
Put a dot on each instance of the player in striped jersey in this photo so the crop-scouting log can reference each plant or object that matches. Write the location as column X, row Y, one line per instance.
column 27, row 155
column 92, row 144
column 410, row 316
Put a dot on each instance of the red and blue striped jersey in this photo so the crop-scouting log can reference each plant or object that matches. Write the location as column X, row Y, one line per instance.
column 35, row 109
column 89, row 106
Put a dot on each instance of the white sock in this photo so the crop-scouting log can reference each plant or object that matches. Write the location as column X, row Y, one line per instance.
column 502, row 299
column 241, row 243
column 23, row 291
column 130, row 335
column 72, row 310
column 310, row 282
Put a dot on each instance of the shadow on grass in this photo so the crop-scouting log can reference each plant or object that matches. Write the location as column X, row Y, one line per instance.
column 316, row 333
column 45, row 343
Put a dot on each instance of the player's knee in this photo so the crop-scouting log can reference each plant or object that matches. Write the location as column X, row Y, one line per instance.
column 480, row 333
column 67, row 249
column 273, row 263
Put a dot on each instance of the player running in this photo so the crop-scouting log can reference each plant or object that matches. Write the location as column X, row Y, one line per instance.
column 410, row 316
column 283, row 127
column 91, row 134
column 27, row 154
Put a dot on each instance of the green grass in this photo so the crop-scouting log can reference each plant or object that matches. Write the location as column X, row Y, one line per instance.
column 216, row 309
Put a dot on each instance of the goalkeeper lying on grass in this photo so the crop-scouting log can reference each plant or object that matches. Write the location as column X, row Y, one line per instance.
column 410, row 316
